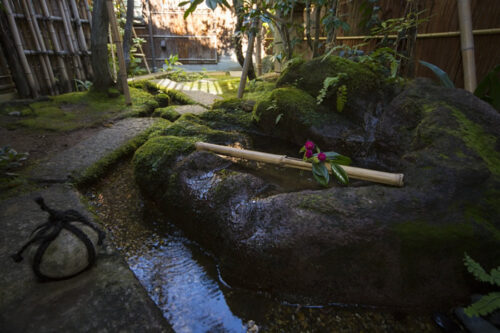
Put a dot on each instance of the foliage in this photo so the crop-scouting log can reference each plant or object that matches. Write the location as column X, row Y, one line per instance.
column 489, row 88
column 341, row 97
column 445, row 80
column 398, row 26
column 135, row 62
column 490, row 302
column 320, row 160
column 9, row 160
column 333, row 81
column 171, row 63
column 82, row 85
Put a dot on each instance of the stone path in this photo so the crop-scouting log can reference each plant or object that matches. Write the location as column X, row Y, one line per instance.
column 202, row 91
column 61, row 167
column 106, row 298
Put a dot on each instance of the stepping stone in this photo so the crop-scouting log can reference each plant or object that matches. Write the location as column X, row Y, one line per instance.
column 202, row 97
column 195, row 109
column 105, row 298
column 63, row 165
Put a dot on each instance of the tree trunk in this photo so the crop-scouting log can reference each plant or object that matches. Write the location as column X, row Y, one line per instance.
column 237, row 40
column 248, row 58
column 317, row 19
column 99, row 47
column 127, row 35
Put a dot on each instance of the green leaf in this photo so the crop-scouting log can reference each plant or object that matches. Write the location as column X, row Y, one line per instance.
column 184, row 3
column 278, row 118
column 339, row 173
column 320, row 173
column 486, row 305
column 445, row 80
column 302, row 150
column 475, row 269
column 337, row 158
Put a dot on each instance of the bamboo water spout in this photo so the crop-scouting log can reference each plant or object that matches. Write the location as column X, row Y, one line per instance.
column 394, row 179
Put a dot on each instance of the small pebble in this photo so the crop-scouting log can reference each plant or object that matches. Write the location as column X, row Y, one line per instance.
column 15, row 114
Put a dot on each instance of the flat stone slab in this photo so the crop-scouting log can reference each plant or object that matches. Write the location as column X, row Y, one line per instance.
column 202, row 97
column 192, row 90
column 60, row 167
column 105, row 298
column 196, row 109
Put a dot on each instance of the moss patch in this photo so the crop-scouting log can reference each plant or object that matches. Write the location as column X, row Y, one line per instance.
column 288, row 108
column 162, row 99
column 168, row 113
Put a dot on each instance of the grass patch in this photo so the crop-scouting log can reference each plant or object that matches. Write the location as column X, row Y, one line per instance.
column 78, row 110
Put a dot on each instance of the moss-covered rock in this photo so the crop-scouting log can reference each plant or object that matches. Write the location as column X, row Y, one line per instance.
column 163, row 100
column 232, row 104
column 168, row 113
column 154, row 160
column 229, row 120
column 310, row 75
column 286, row 111
column 178, row 97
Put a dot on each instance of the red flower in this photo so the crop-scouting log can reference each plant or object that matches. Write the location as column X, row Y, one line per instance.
column 309, row 145
column 321, row 156
column 309, row 153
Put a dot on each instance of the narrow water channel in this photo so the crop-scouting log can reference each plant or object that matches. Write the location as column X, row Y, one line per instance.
column 183, row 280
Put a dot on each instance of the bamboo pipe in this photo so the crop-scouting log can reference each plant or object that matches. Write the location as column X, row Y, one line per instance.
column 394, row 179
column 57, row 48
column 119, row 51
column 38, row 37
column 20, row 49
column 467, row 44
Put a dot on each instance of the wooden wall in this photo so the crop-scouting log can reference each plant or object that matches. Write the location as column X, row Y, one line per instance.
column 442, row 15
column 52, row 39
column 198, row 39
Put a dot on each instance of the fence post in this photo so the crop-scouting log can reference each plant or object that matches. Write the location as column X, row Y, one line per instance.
column 467, row 44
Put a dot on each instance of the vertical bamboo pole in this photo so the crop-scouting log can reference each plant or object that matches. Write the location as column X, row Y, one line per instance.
column 57, row 48
column 81, row 37
column 20, row 49
column 76, row 59
column 467, row 44
column 113, row 61
column 142, row 52
column 67, row 16
column 89, row 14
column 41, row 58
column 119, row 50
column 45, row 56
column 151, row 38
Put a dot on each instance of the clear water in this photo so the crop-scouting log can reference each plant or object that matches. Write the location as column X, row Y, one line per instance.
column 183, row 279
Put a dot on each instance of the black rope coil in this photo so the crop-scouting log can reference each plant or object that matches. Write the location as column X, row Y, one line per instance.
column 46, row 232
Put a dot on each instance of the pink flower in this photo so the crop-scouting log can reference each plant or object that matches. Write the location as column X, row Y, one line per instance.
column 309, row 153
column 309, row 145
column 321, row 156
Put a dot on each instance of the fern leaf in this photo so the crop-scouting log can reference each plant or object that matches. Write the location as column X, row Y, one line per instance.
column 495, row 275
column 475, row 269
column 341, row 97
column 486, row 305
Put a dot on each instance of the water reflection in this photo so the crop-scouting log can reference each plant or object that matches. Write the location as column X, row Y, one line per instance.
column 189, row 298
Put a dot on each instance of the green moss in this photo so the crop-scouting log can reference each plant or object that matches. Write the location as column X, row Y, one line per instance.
column 168, row 113
column 153, row 161
column 162, row 99
column 294, row 108
column 228, row 119
column 232, row 103
column 480, row 142
column 179, row 97
column 309, row 76
column 189, row 125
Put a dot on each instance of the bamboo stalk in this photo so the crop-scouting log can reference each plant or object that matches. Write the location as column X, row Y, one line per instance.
column 41, row 46
column 113, row 61
column 467, row 44
column 151, row 40
column 394, row 179
column 81, row 37
column 76, row 46
column 57, row 48
column 76, row 59
column 89, row 14
column 119, row 51
column 479, row 32
column 20, row 49
column 142, row 52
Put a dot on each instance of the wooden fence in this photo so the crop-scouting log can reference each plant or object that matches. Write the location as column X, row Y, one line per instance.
column 48, row 40
column 438, row 40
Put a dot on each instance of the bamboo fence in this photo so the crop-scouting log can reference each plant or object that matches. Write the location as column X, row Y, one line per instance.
column 52, row 39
